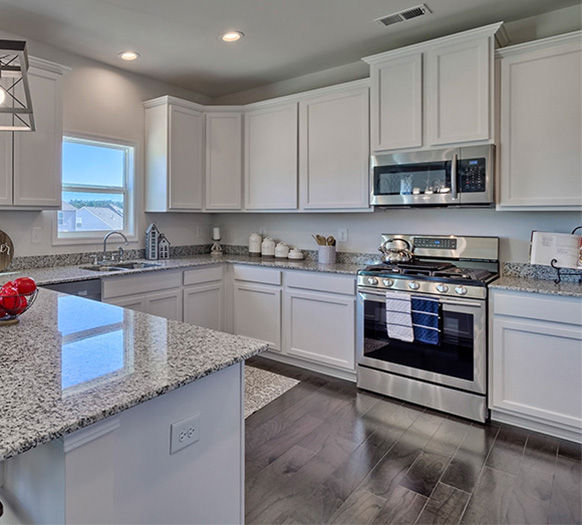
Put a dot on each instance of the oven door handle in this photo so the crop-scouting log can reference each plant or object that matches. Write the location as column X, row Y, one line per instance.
column 454, row 192
column 461, row 303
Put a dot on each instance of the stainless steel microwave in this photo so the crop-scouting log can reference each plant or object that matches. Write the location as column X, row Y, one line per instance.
column 446, row 177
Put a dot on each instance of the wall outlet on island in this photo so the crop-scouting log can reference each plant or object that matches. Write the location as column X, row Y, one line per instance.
column 342, row 235
column 184, row 433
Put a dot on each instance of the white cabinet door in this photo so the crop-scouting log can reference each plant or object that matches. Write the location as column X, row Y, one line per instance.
column 396, row 103
column 224, row 161
column 185, row 158
column 320, row 327
column 541, row 124
column 133, row 302
column 271, row 158
column 334, row 150
column 257, row 313
column 37, row 155
column 167, row 304
column 203, row 305
column 536, row 373
column 458, row 90
column 5, row 168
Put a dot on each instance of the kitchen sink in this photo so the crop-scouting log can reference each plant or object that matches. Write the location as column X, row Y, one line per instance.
column 118, row 267
column 136, row 265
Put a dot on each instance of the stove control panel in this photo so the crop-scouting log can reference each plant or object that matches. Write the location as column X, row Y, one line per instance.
column 442, row 243
column 367, row 283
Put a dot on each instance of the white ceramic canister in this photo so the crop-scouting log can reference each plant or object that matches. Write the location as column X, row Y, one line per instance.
column 255, row 241
column 326, row 254
column 268, row 247
column 281, row 251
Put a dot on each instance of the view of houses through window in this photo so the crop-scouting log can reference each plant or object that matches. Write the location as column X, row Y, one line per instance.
column 96, row 187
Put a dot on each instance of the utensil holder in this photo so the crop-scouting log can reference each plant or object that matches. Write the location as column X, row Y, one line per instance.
column 326, row 254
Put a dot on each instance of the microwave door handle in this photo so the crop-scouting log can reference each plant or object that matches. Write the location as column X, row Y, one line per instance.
column 454, row 192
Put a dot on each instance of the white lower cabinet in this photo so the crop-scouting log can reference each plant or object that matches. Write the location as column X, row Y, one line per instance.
column 320, row 327
column 203, row 305
column 257, row 312
column 536, row 362
column 166, row 304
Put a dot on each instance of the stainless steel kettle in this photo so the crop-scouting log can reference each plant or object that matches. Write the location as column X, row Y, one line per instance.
column 396, row 251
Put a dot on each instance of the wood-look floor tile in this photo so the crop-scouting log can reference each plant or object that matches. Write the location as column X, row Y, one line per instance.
column 540, row 452
column 448, row 437
column 401, row 508
column 566, row 504
column 425, row 472
column 507, row 451
column 491, row 498
column 530, row 501
column 445, row 506
column 361, row 507
column 570, row 450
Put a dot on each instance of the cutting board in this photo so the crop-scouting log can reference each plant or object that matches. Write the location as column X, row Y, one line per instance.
column 6, row 250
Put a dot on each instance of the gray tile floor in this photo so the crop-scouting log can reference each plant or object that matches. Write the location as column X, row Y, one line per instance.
column 325, row 452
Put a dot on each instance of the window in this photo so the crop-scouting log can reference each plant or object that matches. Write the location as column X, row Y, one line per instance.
column 97, row 189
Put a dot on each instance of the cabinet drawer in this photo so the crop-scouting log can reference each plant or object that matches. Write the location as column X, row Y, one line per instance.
column 323, row 282
column 257, row 275
column 538, row 306
column 134, row 284
column 203, row 275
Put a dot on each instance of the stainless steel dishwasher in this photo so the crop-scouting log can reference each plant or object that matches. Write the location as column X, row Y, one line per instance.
column 89, row 289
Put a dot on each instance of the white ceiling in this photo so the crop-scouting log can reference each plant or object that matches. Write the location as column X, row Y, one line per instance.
column 179, row 39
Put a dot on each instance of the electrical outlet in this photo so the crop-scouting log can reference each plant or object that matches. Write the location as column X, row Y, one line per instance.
column 342, row 235
column 36, row 235
column 184, row 432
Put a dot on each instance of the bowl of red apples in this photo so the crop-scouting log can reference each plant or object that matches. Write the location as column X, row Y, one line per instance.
column 15, row 298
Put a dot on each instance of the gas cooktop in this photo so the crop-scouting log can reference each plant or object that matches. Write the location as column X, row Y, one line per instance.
column 443, row 265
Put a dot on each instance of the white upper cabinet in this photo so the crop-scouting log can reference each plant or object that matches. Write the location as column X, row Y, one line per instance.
column 397, row 96
column 37, row 155
column 334, row 148
column 224, row 160
column 540, row 164
column 458, row 90
column 271, row 157
column 174, row 155
column 434, row 93
column 5, row 169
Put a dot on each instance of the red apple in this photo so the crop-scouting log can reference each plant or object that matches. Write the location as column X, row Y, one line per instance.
column 21, row 307
column 10, row 298
column 24, row 285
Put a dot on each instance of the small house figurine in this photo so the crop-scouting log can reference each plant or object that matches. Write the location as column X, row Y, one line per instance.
column 152, row 241
column 163, row 247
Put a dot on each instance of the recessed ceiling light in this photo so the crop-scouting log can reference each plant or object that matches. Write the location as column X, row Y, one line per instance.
column 129, row 56
column 232, row 36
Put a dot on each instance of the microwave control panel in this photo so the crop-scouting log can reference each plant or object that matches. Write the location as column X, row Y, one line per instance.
column 472, row 175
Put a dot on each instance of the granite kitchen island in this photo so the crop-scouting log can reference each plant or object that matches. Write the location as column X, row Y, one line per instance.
column 97, row 404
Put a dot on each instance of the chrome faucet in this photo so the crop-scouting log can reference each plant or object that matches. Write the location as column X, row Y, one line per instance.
column 120, row 251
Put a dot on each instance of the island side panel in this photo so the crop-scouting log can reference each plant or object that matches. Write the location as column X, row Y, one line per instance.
column 120, row 470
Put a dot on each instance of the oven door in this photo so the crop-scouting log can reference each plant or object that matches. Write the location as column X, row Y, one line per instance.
column 413, row 179
column 458, row 361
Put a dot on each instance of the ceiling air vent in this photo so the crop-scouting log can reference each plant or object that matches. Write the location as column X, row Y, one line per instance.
column 406, row 14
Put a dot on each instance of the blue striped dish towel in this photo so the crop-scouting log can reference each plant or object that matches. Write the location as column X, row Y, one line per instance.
column 425, row 314
column 398, row 316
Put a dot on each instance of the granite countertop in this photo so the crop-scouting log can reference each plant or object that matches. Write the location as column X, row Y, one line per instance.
column 542, row 286
column 62, row 274
column 71, row 362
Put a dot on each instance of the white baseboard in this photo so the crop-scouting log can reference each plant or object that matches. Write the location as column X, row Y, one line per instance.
column 314, row 367
column 544, row 427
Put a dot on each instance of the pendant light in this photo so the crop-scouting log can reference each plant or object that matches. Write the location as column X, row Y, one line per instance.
column 15, row 101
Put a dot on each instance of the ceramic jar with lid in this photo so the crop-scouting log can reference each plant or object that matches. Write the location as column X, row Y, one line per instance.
column 268, row 247
column 281, row 251
column 255, row 244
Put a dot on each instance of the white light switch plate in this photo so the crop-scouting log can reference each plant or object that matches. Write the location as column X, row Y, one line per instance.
column 184, row 433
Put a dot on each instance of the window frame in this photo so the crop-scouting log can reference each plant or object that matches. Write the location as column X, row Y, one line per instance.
column 128, row 191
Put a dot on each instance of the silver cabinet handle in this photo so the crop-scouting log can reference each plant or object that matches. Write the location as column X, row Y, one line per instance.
column 454, row 191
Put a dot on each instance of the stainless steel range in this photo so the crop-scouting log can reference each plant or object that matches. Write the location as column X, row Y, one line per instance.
column 422, row 321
